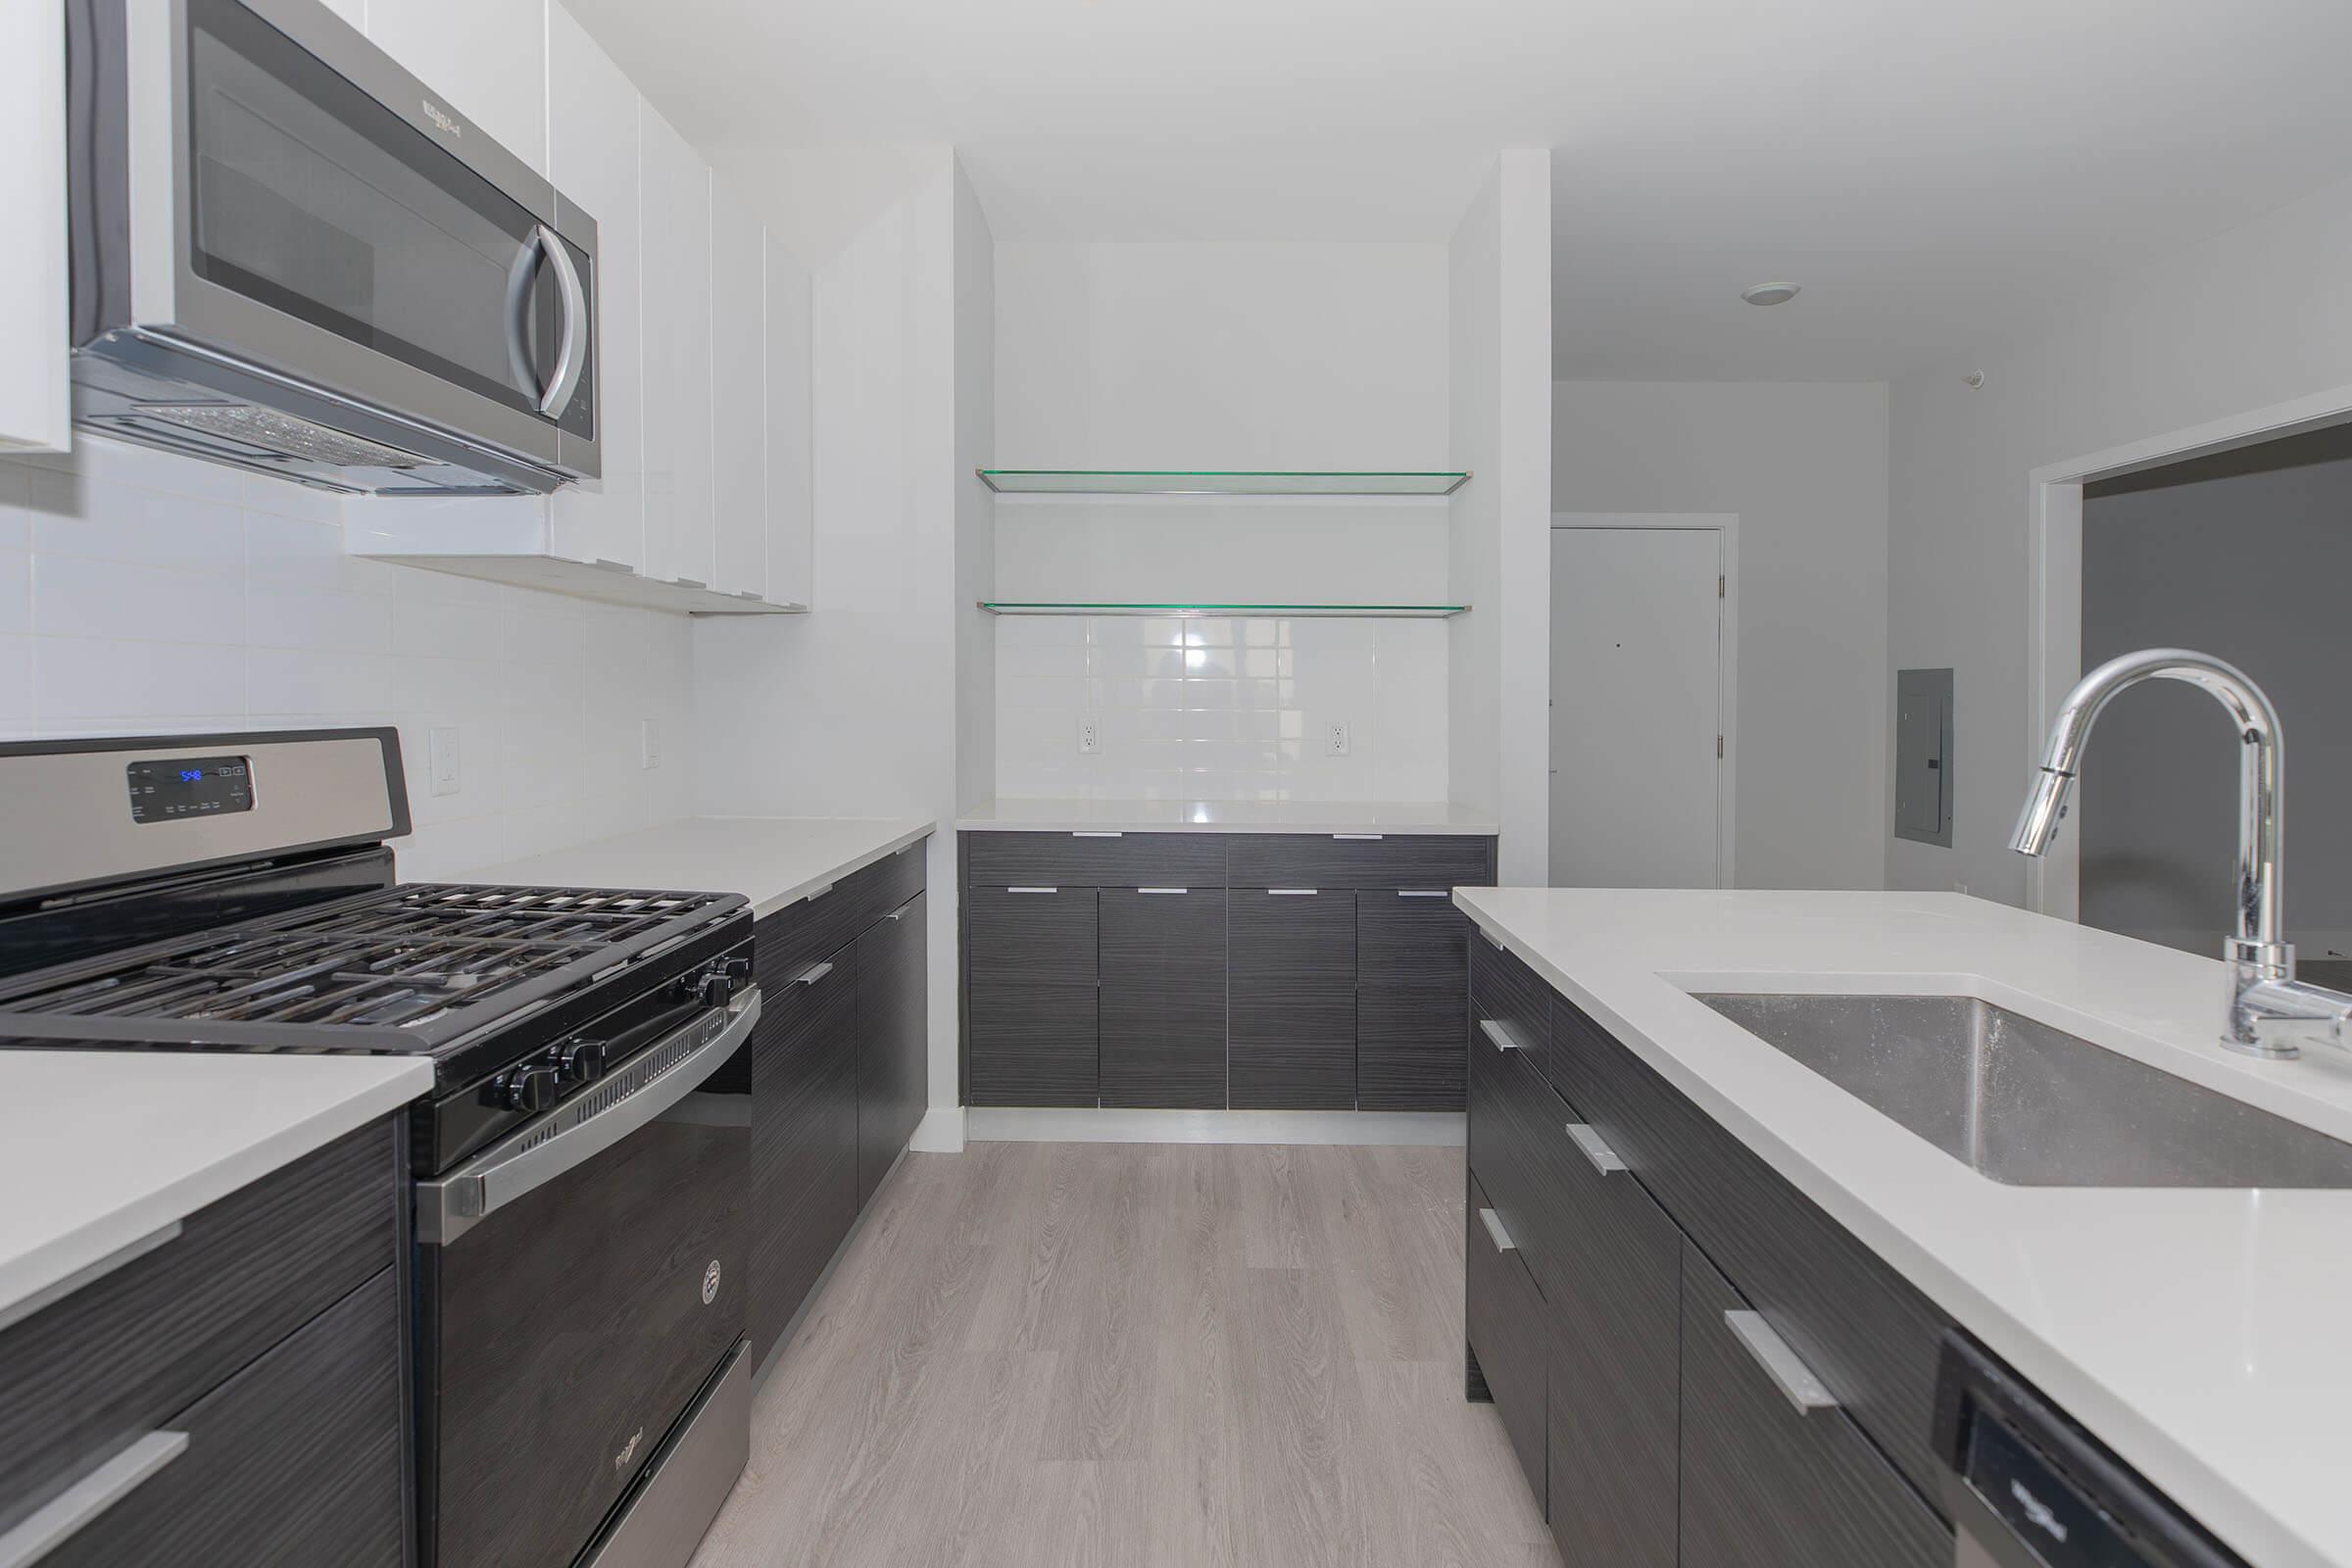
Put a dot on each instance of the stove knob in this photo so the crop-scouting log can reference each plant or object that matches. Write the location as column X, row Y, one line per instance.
column 720, row 984
column 582, row 1061
column 529, row 1089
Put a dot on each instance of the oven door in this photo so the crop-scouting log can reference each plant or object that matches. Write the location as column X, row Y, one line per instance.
column 298, row 202
column 578, row 1284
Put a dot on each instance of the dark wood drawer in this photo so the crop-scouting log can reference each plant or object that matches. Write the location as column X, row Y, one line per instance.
column 1029, row 1043
column 1290, row 942
column 136, row 1346
column 1097, row 859
column 805, row 1117
column 1504, row 991
column 293, row 1462
column 1349, row 861
column 1868, row 1334
column 1504, row 1319
column 1041, row 936
column 1163, row 996
column 1765, row 1484
column 1514, row 1152
column 821, row 925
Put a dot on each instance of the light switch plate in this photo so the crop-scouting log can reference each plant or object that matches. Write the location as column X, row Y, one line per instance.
column 442, row 759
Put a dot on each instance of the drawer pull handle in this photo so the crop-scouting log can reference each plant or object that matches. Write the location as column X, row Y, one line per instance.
column 1496, row 1233
column 65, row 1515
column 1789, row 1373
column 1359, row 838
column 97, row 1269
column 818, row 891
column 813, row 974
column 1097, row 833
column 1421, row 893
column 1164, row 890
column 1501, row 1036
column 1590, row 1144
column 1291, row 892
column 1033, row 890
column 1493, row 942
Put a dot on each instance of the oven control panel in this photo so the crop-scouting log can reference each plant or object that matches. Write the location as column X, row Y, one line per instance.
column 182, row 787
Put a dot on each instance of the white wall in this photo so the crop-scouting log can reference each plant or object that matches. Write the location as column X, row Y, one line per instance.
column 1804, row 465
column 143, row 593
column 975, row 510
column 2253, row 317
column 1221, row 355
column 1498, row 283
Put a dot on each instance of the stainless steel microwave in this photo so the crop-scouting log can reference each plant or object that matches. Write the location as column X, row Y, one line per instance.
column 292, row 255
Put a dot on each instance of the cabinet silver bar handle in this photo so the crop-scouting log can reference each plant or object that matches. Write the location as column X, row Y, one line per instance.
column 1098, row 833
column 1590, row 1144
column 1493, row 942
column 1360, row 838
column 813, row 974
column 96, row 1268
column 1503, row 1039
column 1164, row 890
column 1496, row 1233
column 1033, row 890
column 690, row 582
column 816, row 892
column 63, row 1517
column 1291, row 892
column 607, row 563
column 1789, row 1374
column 1421, row 893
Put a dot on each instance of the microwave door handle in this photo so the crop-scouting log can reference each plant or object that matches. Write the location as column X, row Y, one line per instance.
column 572, row 358
column 519, row 273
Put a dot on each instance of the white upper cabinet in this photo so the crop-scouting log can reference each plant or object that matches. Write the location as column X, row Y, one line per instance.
column 791, row 504
column 679, row 541
column 487, row 57
column 592, row 159
column 739, row 399
column 35, row 411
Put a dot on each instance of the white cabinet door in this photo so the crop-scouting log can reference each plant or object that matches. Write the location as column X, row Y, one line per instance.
column 676, row 290
column 739, row 400
column 35, row 410
column 791, row 504
column 592, row 159
column 488, row 58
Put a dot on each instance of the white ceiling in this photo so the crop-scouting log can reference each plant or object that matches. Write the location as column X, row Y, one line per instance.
column 1929, row 170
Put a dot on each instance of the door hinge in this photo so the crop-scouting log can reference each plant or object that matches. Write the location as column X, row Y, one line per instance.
column 1719, row 746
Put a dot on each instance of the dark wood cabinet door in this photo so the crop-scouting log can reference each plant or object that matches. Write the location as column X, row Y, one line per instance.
column 1502, row 1319
column 1412, row 1003
column 805, row 1069
column 1614, row 1292
column 1767, row 1486
column 1163, row 996
column 1029, row 995
column 893, row 1038
column 1291, row 1018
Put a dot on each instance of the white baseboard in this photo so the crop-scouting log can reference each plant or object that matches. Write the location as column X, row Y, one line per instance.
column 940, row 1132
column 1000, row 1124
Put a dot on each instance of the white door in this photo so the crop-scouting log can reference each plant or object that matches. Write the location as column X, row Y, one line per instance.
column 1637, row 619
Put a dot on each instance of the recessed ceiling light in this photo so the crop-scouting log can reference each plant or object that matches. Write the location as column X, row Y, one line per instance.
column 1768, row 293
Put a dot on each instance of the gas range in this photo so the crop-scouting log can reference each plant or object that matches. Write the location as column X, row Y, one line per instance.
column 579, row 1169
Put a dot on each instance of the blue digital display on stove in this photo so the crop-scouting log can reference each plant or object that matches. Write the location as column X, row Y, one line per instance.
column 189, row 787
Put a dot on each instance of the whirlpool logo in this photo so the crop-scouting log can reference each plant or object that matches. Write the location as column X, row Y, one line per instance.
column 441, row 119
column 710, row 1283
column 628, row 1451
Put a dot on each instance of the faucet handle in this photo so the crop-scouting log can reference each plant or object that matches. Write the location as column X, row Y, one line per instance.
column 2272, row 1017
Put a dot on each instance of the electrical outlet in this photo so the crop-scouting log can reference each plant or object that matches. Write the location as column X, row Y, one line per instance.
column 1335, row 738
column 649, row 744
column 441, row 759
column 1090, row 735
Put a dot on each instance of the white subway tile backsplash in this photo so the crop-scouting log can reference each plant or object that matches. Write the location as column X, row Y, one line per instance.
column 140, row 591
column 1221, row 707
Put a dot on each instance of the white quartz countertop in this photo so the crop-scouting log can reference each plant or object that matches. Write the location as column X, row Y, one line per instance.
column 1226, row 816
column 99, row 1150
column 772, row 861
column 2205, row 1335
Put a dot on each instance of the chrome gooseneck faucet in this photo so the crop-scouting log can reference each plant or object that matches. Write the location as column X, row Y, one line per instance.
column 2269, row 1007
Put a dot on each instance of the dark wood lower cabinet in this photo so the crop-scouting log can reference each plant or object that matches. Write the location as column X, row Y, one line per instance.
column 1291, row 1023
column 1411, row 1001
column 804, row 1137
column 1502, row 1315
column 894, row 1013
column 1161, row 997
column 1766, row 1486
column 1030, row 1021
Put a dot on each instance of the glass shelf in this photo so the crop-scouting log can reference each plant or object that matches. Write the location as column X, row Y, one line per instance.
column 1200, row 482
column 1360, row 611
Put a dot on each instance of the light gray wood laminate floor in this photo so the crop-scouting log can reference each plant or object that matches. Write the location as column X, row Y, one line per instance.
column 1147, row 1355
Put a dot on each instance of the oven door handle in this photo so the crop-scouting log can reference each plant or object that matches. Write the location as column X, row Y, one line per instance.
column 571, row 1135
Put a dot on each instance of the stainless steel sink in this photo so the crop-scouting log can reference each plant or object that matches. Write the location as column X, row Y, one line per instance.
column 2032, row 1105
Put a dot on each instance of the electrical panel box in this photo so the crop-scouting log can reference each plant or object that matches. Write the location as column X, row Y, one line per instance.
column 1923, row 755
